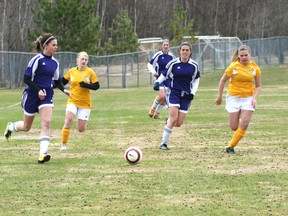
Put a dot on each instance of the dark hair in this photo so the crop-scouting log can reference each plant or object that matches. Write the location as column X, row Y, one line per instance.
column 187, row 44
column 43, row 40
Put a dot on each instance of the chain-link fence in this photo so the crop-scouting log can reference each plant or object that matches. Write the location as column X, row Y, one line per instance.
column 130, row 69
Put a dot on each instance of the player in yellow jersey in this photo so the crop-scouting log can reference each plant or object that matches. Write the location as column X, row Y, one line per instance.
column 243, row 91
column 81, row 79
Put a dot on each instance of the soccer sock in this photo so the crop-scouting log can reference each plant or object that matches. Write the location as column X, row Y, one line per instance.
column 166, row 134
column 13, row 126
column 155, row 104
column 65, row 135
column 44, row 143
column 159, row 109
column 238, row 135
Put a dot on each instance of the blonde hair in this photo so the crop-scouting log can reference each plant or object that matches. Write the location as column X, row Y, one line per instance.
column 235, row 56
column 82, row 54
column 165, row 40
column 78, row 59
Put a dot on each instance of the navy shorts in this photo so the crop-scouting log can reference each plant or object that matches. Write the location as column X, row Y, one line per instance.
column 176, row 99
column 31, row 102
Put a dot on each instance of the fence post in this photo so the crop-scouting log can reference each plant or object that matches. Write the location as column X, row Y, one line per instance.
column 107, row 73
column 123, row 71
column 138, row 69
column 280, row 52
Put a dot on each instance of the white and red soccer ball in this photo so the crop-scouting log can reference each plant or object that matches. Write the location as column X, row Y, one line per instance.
column 133, row 155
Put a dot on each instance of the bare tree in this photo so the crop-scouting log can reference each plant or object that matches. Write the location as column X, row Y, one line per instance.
column 3, row 12
column 101, row 12
column 243, row 18
column 2, row 36
column 16, row 21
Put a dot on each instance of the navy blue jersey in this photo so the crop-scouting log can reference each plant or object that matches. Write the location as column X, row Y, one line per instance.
column 43, row 70
column 182, row 74
column 160, row 60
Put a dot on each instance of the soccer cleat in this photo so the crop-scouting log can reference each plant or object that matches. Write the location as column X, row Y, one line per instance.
column 164, row 146
column 157, row 116
column 8, row 133
column 44, row 158
column 63, row 147
column 230, row 150
column 151, row 113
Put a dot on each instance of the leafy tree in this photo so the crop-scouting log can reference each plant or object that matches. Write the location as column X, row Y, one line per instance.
column 73, row 23
column 123, row 37
column 180, row 26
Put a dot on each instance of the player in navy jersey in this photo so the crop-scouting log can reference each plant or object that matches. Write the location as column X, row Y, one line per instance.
column 157, row 66
column 42, row 70
column 185, row 76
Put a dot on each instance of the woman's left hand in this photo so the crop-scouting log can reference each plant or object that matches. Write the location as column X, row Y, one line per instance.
column 254, row 103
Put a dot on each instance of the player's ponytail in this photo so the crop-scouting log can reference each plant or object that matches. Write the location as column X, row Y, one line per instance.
column 235, row 56
column 43, row 40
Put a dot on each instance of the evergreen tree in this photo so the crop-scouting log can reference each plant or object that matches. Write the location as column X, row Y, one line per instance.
column 180, row 26
column 73, row 23
column 123, row 37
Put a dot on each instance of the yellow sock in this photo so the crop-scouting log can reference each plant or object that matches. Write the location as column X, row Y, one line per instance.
column 65, row 135
column 238, row 135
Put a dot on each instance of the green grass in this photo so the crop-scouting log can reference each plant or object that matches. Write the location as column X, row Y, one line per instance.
column 196, row 177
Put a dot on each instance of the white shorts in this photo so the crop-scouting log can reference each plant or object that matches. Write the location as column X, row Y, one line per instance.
column 81, row 113
column 235, row 104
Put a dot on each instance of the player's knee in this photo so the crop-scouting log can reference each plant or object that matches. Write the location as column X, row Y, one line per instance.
column 234, row 128
column 178, row 124
column 26, row 129
column 46, row 123
column 81, row 129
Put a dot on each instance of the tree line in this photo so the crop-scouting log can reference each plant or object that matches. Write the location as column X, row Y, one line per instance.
column 113, row 26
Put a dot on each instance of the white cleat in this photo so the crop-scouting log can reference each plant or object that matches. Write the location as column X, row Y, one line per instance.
column 63, row 147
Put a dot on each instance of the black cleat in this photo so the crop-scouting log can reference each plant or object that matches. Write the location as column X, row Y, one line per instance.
column 44, row 158
column 230, row 150
column 8, row 133
column 164, row 146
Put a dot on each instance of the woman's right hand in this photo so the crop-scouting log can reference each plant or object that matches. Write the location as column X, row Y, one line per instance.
column 218, row 101
column 155, row 74
column 42, row 94
column 156, row 86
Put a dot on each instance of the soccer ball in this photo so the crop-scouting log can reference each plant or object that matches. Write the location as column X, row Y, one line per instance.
column 133, row 155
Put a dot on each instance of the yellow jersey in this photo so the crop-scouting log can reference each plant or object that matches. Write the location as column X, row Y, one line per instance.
column 80, row 96
column 242, row 79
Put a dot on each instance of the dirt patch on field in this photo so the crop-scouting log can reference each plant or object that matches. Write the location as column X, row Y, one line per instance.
column 253, row 169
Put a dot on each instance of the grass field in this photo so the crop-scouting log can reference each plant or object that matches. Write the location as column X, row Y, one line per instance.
column 196, row 177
